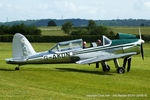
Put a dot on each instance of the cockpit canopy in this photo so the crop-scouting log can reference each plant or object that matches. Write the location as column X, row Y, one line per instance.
column 75, row 44
column 67, row 45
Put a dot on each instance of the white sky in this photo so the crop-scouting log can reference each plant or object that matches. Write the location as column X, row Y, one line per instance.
column 86, row 9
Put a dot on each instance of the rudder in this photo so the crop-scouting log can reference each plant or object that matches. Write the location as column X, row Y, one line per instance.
column 21, row 47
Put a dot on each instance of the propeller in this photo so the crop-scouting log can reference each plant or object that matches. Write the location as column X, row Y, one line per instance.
column 142, row 51
column 129, row 58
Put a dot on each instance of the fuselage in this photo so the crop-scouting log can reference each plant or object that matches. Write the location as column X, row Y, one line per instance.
column 107, row 52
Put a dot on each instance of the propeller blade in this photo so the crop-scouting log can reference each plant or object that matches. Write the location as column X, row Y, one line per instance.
column 129, row 64
column 124, row 62
column 97, row 65
column 142, row 52
column 140, row 33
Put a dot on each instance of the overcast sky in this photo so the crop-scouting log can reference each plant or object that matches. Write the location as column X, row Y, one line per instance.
column 84, row 9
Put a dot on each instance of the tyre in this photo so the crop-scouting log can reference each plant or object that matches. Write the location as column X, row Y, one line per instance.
column 17, row 68
column 120, row 70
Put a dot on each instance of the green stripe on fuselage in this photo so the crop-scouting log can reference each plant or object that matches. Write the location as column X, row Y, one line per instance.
column 115, row 44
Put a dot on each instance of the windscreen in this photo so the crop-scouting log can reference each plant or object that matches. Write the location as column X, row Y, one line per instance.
column 68, row 45
column 106, row 41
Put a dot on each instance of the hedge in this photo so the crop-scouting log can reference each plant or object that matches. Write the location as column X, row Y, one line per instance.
column 88, row 38
column 52, row 38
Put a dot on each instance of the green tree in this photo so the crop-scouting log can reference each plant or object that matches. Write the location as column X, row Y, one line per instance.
column 91, row 25
column 52, row 23
column 67, row 27
column 4, row 29
column 22, row 28
column 101, row 30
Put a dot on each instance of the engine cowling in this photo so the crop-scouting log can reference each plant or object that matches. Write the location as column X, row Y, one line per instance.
column 125, row 36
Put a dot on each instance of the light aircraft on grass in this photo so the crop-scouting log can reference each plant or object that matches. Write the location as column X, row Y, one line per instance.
column 72, row 51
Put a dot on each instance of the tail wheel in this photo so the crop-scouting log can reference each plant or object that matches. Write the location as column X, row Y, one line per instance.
column 17, row 68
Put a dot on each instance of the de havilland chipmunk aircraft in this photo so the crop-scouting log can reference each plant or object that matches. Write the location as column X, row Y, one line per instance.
column 72, row 51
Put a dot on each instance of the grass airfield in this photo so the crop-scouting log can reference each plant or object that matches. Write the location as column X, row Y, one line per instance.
column 56, row 31
column 72, row 81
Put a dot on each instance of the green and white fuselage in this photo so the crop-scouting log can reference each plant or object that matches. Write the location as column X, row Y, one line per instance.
column 73, row 52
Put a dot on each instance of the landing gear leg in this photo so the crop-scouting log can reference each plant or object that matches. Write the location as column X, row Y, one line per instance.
column 120, row 70
column 97, row 65
column 105, row 67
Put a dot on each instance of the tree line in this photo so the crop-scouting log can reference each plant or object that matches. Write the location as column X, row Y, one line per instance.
column 21, row 28
column 91, row 29
column 83, row 22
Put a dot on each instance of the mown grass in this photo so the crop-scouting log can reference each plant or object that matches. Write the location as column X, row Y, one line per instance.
column 72, row 81
column 56, row 31
column 132, row 30
column 52, row 31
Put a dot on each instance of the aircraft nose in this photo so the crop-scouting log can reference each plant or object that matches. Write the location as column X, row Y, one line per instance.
column 142, row 41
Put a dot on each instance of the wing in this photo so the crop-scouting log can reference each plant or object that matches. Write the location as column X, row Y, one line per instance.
column 104, row 58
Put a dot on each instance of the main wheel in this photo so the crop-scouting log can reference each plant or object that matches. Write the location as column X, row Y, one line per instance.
column 120, row 70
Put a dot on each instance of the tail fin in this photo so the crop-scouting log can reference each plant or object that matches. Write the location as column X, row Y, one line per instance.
column 21, row 47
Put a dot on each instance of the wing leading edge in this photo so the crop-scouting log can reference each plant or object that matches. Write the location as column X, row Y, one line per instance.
column 104, row 58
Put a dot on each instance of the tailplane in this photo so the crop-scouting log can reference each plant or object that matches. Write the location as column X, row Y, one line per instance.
column 21, row 47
